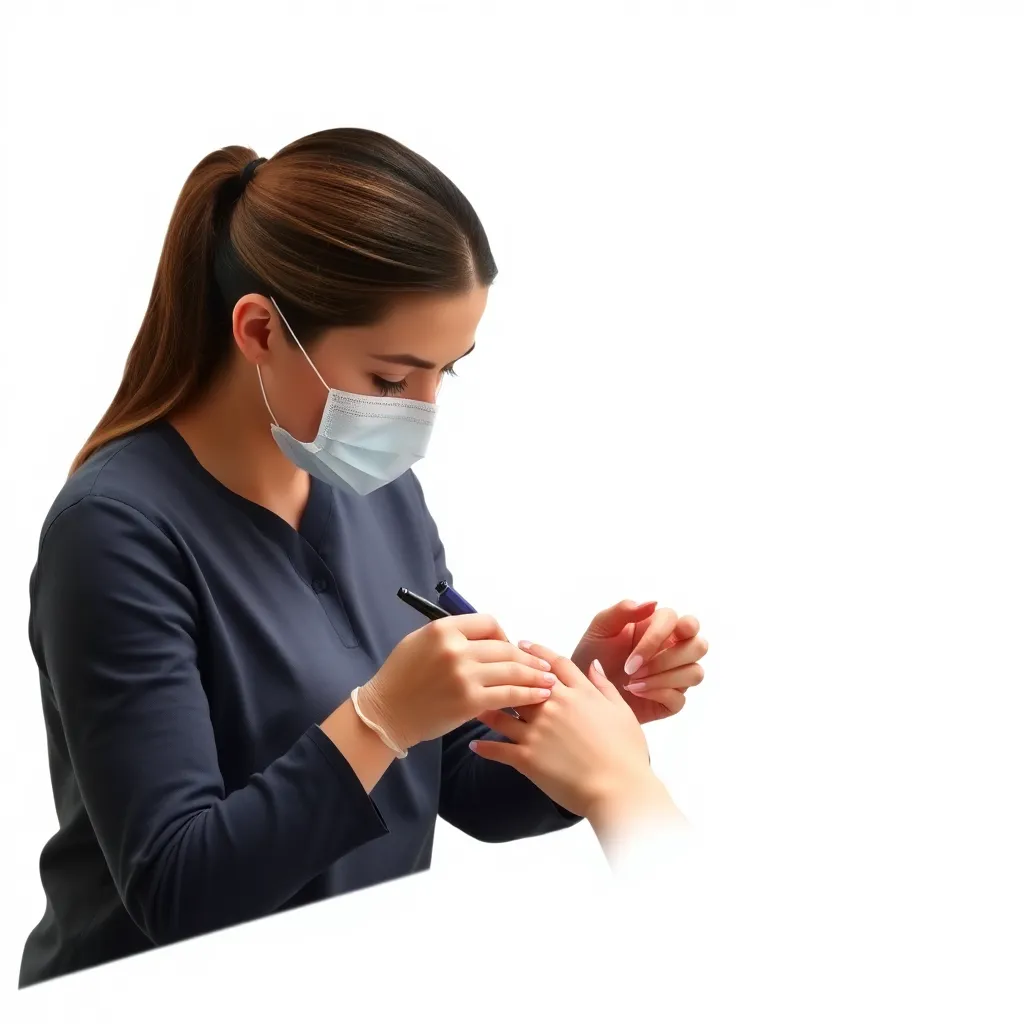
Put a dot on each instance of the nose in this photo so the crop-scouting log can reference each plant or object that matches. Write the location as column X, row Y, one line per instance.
column 425, row 389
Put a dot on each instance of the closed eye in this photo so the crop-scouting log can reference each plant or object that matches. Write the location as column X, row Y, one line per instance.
column 396, row 387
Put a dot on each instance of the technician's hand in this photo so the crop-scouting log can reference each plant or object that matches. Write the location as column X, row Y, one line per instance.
column 447, row 673
column 649, row 653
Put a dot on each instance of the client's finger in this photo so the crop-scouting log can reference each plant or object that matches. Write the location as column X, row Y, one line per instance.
column 528, row 713
column 683, row 653
column 676, row 679
column 602, row 682
column 503, row 753
column 504, row 725
column 670, row 701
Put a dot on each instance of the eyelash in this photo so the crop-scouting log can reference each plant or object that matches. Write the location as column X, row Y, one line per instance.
column 396, row 387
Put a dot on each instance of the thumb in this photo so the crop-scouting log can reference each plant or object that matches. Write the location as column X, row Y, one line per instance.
column 601, row 681
column 612, row 621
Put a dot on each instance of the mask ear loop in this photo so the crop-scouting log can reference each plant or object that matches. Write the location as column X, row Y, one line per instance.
column 295, row 338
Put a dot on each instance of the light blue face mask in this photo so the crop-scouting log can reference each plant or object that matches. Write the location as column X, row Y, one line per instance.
column 364, row 441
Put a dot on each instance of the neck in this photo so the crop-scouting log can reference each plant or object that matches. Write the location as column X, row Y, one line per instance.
column 228, row 430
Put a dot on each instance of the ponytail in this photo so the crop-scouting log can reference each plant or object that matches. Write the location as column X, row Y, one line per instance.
column 182, row 341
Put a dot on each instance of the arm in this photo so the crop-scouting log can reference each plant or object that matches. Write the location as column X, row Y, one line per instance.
column 489, row 801
column 116, row 632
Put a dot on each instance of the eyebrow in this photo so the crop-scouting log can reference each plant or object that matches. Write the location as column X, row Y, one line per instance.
column 419, row 364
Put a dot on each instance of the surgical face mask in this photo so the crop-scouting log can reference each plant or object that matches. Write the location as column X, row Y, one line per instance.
column 363, row 442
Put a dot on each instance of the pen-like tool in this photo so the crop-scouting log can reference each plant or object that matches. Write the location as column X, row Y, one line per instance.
column 426, row 608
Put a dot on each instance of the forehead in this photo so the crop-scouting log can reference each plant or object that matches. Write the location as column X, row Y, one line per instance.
column 440, row 327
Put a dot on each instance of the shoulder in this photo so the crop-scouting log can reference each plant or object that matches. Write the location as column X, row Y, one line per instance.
column 120, row 494
column 135, row 472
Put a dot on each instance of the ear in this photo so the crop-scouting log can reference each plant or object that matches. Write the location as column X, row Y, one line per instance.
column 253, row 322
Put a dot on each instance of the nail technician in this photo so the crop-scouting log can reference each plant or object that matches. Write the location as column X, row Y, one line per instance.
column 241, row 717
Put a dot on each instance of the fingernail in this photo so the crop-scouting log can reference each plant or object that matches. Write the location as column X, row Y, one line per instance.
column 525, row 645
column 472, row 746
column 550, row 677
column 544, row 693
column 598, row 668
column 545, row 665
column 636, row 687
column 633, row 664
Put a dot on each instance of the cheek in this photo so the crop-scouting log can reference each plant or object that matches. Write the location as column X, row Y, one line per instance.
column 298, row 400
column 342, row 375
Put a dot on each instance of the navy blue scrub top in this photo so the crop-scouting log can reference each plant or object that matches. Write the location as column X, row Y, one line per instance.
column 189, row 642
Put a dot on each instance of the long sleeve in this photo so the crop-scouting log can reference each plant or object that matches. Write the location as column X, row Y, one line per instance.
column 489, row 801
column 115, row 628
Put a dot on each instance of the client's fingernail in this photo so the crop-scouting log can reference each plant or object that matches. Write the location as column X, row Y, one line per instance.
column 633, row 664
column 550, row 677
column 525, row 645
column 544, row 693
column 544, row 665
column 472, row 746
column 636, row 687
column 599, row 669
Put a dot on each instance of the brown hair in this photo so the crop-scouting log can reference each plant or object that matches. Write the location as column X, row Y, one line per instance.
column 335, row 227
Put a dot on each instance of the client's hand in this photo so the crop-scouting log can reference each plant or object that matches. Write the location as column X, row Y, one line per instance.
column 584, row 748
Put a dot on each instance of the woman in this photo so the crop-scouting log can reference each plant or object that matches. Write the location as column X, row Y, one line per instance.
column 226, row 672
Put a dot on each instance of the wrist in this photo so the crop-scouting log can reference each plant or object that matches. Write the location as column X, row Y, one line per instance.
column 627, row 802
column 364, row 750
column 378, row 709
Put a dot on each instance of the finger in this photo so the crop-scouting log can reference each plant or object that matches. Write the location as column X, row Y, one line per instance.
column 503, row 753
column 670, row 702
column 676, row 679
column 503, row 725
column 612, row 621
column 563, row 668
column 491, row 651
column 670, row 658
column 496, row 698
column 686, row 628
column 602, row 682
column 510, row 673
column 527, row 713
column 660, row 628
column 474, row 627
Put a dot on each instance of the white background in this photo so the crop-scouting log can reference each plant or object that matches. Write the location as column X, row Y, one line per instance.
column 753, row 351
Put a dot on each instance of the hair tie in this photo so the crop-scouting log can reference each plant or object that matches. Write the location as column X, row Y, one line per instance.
column 249, row 170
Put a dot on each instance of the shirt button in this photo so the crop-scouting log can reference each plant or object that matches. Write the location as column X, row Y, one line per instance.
column 319, row 585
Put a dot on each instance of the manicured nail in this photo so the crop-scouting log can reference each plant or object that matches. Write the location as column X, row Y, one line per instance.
column 472, row 746
column 599, row 669
column 636, row 687
column 525, row 645
column 544, row 694
column 633, row 664
column 550, row 677
column 544, row 665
